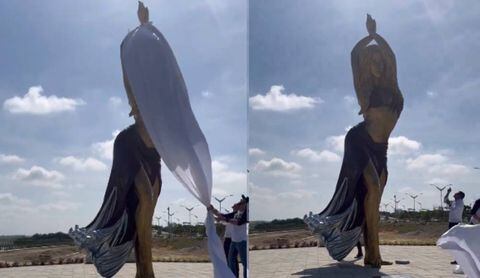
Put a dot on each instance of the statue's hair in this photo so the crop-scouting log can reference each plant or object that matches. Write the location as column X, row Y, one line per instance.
column 365, row 58
column 388, row 79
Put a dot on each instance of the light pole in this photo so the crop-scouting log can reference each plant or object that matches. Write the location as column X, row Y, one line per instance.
column 158, row 220
column 189, row 213
column 220, row 200
column 413, row 197
column 169, row 214
column 385, row 205
column 396, row 201
column 441, row 193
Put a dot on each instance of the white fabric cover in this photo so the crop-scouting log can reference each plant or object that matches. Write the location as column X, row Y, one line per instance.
column 463, row 242
column 162, row 99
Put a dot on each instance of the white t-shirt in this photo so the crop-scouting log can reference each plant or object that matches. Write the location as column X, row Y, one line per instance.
column 239, row 232
column 228, row 230
column 456, row 211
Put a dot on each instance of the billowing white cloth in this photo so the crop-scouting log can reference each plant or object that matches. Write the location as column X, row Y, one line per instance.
column 162, row 98
column 463, row 242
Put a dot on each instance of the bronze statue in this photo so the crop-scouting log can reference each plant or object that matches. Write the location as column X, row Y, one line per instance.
column 124, row 221
column 354, row 207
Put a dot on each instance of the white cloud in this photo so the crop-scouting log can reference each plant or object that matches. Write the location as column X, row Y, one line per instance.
column 402, row 145
column 436, row 164
column 299, row 194
column 8, row 199
column 425, row 161
column 336, row 142
column 255, row 152
column 431, row 94
column 115, row 101
column 39, row 176
column 275, row 100
column 325, row 155
column 450, row 169
column 260, row 193
column 226, row 180
column 79, row 164
column 278, row 167
column 10, row 159
column 349, row 99
column 206, row 94
column 105, row 148
column 33, row 102
column 58, row 206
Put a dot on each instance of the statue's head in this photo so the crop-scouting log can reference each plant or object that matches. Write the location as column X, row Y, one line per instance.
column 372, row 61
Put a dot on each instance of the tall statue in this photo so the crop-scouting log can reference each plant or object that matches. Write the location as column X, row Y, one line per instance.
column 165, row 126
column 124, row 221
column 354, row 207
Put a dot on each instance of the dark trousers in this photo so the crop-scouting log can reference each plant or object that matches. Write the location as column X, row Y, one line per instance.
column 226, row 247
column 239, row 248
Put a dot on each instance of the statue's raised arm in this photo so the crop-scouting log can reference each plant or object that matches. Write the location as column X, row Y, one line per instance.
column 142, row 13
column 362, row 91
column 371, row 63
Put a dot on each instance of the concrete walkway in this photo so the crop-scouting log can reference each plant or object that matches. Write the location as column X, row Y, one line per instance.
column 200, row 270
column 425, row 262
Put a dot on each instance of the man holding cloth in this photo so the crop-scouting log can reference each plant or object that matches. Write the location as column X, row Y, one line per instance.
column 238, row 220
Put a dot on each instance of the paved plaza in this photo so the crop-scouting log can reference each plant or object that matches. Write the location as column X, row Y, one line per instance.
column 425, row 262
column 200, row 270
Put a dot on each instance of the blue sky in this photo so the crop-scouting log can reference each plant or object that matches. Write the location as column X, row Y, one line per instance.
column 62, row 101
column 302, row 99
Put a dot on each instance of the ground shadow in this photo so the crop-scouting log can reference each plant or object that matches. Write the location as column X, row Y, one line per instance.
column 341, row 269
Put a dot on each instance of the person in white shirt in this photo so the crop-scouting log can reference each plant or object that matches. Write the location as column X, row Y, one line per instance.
column 455, row 214
column 456, row 206
column 238, row 220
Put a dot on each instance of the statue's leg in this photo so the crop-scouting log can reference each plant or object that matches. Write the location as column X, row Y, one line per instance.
column 143, row 221
column 372, row 216
column 383, row 183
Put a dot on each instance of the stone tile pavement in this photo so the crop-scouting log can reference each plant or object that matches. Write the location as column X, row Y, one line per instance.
column 425, row 262
column 190, row 270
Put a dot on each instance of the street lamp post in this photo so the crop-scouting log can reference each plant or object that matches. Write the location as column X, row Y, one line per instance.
column 441, row 193
column 220, row 200
column 396, row 201
column 169, row 217
column 158, row 220
column 189, row 213
column 385, row 205
column 413, row 197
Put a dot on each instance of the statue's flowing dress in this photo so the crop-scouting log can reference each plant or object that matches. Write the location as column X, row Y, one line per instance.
column 340, row 224
column 110, row 237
